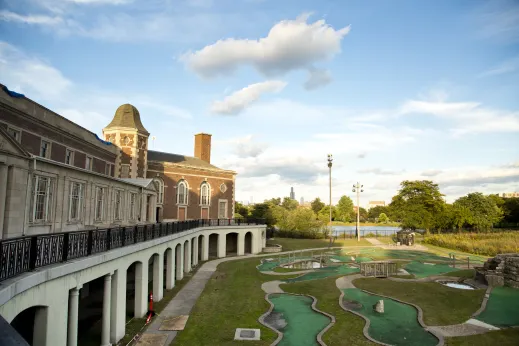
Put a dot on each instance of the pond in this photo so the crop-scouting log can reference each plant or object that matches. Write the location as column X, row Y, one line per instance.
column 303, row 265
column 458, row 285
column 364, row 230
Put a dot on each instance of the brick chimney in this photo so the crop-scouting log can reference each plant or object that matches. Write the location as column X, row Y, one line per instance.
column 203, row 146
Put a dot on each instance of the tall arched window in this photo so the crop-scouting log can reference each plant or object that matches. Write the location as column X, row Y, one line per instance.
column 182, row 192
column 159, row 185
column 205, row 193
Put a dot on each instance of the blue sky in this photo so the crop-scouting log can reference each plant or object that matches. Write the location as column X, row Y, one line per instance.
column 393, row 89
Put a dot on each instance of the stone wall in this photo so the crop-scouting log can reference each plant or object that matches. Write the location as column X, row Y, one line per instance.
column 502, row 270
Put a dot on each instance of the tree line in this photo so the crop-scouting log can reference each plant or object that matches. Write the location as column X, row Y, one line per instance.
column 418, row 205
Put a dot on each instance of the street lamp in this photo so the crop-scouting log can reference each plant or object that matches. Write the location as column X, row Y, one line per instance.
column 358, row 188
column 330, row 159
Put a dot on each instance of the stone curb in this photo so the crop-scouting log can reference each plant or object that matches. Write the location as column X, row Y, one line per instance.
column 280, row 334
column 420, row 316
column 483, row 303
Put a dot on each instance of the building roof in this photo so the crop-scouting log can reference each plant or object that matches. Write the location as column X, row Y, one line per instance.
column 183, row 160
column 127, row 116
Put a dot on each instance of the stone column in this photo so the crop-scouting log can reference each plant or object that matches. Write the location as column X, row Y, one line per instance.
column 118, row 306
column 105, row 328
column 3, row 197
column 205, row 248
column 221, row 245
column 170, row 269
column 158, row 277
column 141, row 289
column 195, row 251
column 73, row 305
column 187, row 257
column 180, row 262
column 241, row 243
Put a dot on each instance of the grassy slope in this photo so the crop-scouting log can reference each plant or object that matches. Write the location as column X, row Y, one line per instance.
column 506, row 337
column 290, row 244
column 348, row 327
column 232, row 298
column 441, row 305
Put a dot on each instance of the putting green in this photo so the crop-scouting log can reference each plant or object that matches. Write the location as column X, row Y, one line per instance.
column 502, row 308
column 303, row 324
column 398, row 325
column 422, row 270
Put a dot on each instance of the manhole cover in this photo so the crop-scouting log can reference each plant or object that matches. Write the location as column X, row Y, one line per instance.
column 247, row 334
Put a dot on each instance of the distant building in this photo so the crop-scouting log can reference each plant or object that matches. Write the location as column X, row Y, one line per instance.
column 302, row 201
column 292, row 193
column 510, row 194
column 372, row 204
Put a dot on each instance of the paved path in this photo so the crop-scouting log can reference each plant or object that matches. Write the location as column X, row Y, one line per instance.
column 272, row 287
column 374, row 241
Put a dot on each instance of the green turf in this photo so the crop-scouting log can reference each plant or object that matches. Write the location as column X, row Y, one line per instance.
column 398, row 325
column 441, row 305
column 421, row 270
column 302, row 322
column 502, row 308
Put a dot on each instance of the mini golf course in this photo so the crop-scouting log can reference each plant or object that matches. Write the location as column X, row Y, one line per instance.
column 294, row 317
column 398, row 325
column 502, row 308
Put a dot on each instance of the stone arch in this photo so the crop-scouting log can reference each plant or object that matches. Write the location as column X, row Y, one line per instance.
column 179, row 261
column 169, row 269
column 193, row 250
column 201, row 242
column 187, row 256
column 136, row 289
column 214, row 240
column 248, row 243
column 231, row 244
column 31, row 324
column 155, row 276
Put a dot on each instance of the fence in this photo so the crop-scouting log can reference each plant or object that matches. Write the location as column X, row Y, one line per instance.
column 23, row 254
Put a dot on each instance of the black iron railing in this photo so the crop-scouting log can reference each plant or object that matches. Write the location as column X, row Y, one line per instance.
column 23, row 254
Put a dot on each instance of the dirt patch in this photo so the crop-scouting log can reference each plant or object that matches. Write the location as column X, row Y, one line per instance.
column 351, row 304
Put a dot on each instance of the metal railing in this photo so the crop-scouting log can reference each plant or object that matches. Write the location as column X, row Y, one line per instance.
column 24, row 254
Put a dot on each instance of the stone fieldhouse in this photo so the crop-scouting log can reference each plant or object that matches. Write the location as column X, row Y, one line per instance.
column 502, row 270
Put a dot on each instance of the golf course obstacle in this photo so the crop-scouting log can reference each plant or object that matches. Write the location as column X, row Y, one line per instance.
column 378, row 269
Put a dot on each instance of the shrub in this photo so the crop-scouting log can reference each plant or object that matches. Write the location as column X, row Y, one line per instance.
column 489, row 244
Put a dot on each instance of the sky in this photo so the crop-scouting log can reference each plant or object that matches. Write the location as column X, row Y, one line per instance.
column 394, row 90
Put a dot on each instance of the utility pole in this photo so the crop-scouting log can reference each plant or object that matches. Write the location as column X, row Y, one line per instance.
column 330, row 159
column 358, row 188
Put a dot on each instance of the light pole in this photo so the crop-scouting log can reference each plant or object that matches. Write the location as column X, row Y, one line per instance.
column 330, row 159
column 358, row 188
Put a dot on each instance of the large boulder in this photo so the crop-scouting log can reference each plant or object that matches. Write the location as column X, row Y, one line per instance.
column 379, row 307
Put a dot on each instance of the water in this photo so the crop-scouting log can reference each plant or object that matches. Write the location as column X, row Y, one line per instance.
column 381, row 231
column 304, row 265
column 456, row 285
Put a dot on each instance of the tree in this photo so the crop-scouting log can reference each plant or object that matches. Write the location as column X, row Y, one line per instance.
column 511, row 210
column 304, row 220
column 373, row 213
column 382, row 218
column 344, row 209
column 363, row 215
column 324, row 214
column 241, row 210
column 483, row 210
column 416, row 204
column 289, row 203
column 274, row 201
column 263, row 211
column 317, row 205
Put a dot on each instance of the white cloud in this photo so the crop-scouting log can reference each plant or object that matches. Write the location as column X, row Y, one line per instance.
column 8, row 16
column 31, row 75
column 508, row 66
column 243, row 147
column 498, row 20
column 469, row 117
column 289, row 45
column 317, row 78
column 239, row 100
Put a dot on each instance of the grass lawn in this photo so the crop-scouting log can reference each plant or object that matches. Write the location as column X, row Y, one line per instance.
column 135, row 325
column 286, row 270
column 505, row 337
column 467, row 273
column 441, row 305
column 445, row 253
column 348, row 327
column 290, row 244
column 231, row 299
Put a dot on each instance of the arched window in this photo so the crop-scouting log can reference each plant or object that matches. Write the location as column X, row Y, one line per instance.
column 159, row 185
column 205, row 193
column 182, row 192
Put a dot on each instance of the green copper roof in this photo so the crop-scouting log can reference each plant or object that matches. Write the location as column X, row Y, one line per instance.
column 127, row 116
